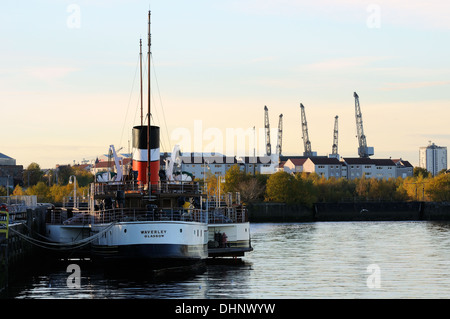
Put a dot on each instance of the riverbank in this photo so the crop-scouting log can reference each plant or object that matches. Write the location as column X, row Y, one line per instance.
column 349, row 211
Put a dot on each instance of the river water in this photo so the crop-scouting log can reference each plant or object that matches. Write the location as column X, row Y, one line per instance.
column 299, row 260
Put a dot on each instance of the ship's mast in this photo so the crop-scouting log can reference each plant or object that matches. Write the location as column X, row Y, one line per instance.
column 149, row 113
column 140, row 67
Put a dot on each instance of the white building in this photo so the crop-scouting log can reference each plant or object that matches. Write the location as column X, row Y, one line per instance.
column 294, row 165
column 323, row 166
column 433, row 158
column 404, row 168
column 199, row 165
column 377, row 168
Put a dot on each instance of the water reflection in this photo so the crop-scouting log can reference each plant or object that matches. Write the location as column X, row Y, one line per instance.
column 308, row 260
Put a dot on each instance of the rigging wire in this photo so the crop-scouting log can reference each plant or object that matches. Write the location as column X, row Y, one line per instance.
column 129, row 102
column 137, row 108
column 160, row 101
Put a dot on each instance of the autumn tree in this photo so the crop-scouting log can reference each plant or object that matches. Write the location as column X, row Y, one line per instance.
column 84, row 177
column 438, row 188
column 280, row 188
column 41, row 190
column 58, row 192
column 420, row 171
column 286, row 188
column 305, row 190
column 18, row 191
column 233, row 177
column 33, row 174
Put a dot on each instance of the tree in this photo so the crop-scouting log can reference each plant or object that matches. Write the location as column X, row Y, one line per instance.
column 64, row 173
column 438, row 188
column 18, row 191
column 33, row 174
column 84, row 178
column 305, row 190
column 250, row 189
column 280, row 188
column 362, row 187
column 213, row 185
column 41, row 190
column 420, row 171
column 58, row 192
column 232, row 179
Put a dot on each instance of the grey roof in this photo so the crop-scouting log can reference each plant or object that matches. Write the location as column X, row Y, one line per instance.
column 325, row 161
column 5, row 156
column 199, row 159
column 357, row 161
column 368, row 161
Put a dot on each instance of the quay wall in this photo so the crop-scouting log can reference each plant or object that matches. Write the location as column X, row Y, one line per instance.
column 16, row 252
column 349, row 211
column 279, row 212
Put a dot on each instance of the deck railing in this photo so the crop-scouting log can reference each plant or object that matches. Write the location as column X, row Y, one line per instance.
column 130, row 214
column 213, row 216
column 233, row 214
column 134, row 186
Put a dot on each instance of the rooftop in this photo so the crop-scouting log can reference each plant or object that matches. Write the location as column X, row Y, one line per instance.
column 297, row 161
column 368, row 161
column 325, row 161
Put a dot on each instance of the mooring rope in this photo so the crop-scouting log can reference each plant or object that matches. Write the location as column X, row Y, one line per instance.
column 62, row 246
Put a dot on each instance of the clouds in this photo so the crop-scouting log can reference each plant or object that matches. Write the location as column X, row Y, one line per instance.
column 49, row 73
column 413, row 85
column 343, row 63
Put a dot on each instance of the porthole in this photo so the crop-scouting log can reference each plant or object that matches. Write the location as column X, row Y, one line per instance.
column 125, row 230
column 181, row 230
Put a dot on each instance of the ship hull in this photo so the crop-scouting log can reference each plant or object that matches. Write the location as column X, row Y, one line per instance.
column 237, row 241
column 151, row 242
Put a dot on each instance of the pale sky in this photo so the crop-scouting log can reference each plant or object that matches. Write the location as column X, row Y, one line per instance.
column 69, row 77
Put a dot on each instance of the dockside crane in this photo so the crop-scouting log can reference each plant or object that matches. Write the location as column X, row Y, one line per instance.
column 280, row 135
column 363, row 150
column 305, row 137
column 267, row 128
column 334, row 151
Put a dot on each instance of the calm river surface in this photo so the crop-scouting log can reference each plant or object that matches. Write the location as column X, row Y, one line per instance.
column 299, row 260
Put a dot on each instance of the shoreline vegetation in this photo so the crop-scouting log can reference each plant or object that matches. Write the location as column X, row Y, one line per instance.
column 302, row 189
